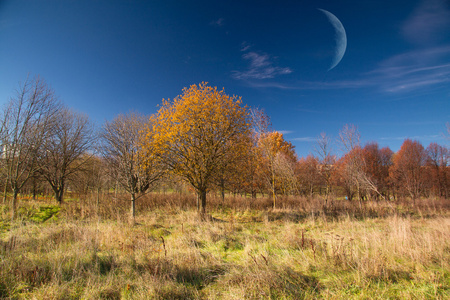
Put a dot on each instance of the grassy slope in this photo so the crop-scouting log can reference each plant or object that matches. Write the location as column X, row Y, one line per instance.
column 242, row 255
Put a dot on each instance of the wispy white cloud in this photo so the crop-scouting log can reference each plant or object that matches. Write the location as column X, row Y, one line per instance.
column 284, row 132
column 261, row 66
column 414, row 70
column 427, row 65
column 273, row 84
column 245, row 46
column 405, row 72
column 428, row 23
column 219, row 22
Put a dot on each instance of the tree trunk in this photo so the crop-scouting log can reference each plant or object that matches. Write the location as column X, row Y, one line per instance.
column 98, row 199
column 201, row 199
column 61, row 196
column 14, row 202
column 133, row 207
column 5, row 191
column 222, row 188
column 34, row 188
column 273, row 190
column 59, row 193
column 58, row 197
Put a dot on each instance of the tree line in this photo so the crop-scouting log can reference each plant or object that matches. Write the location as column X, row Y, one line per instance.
column 205, row 138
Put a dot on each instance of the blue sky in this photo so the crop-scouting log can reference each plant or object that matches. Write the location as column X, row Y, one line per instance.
column 109, row 57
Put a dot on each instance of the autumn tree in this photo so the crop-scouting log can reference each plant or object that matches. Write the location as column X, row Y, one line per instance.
column 280, row 158
column 120, row 147
column 27, row 121
column 385, row 156
column 407, row 169
column 256, row 170
column 63, row 152
column 351, row 164
column 376, row 167
column 275, row 156
column 285, row 168
column 251, row 171
column 308, row 173
column 355, row 164
column 195, row 134
column 438, row 158
column 233, row 171
column 342, row 177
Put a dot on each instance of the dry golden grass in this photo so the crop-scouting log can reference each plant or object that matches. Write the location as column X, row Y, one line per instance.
column 251, row 252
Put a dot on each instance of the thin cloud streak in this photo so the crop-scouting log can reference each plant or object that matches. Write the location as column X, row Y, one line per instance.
column 261, row 67
column 314, row 85
column 219, row 22
column 284, row 132
column 307, row 139
column 245, row 46
column 414, row 70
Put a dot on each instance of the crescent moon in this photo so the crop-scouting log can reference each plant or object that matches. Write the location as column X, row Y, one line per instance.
column 340, row 38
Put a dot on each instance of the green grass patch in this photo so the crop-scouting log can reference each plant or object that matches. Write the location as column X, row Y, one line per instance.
column 45, row 213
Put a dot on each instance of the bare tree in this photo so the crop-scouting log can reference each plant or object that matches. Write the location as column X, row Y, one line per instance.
column 355, row 162
column 62, row 154
column 349, row 137
column 27, row 121
column 121, row 151
column 327, row 160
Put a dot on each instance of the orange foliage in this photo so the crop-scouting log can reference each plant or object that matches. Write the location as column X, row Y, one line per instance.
column 198, row 133
column 407, row 172
column 274, row 143
column 308, row 170
column 437, row 161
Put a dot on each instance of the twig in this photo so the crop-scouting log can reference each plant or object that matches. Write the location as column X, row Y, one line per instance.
column 313, row 249
column 265, row 259
column 164, row 246
column 254, row 259
column 303, row 239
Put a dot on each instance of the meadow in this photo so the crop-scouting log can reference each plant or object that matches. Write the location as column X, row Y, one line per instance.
column 244, row 250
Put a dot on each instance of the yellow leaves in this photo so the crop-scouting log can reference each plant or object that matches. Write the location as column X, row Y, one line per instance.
column 196, row 130
column 274, row 142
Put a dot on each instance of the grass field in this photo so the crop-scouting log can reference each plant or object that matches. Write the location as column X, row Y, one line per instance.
column 84, row 252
